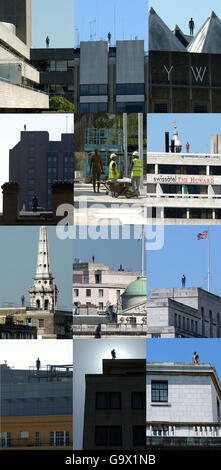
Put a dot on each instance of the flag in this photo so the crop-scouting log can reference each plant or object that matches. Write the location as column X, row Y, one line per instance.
column 203, row 235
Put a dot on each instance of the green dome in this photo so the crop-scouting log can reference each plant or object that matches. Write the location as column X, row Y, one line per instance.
column 138, row 287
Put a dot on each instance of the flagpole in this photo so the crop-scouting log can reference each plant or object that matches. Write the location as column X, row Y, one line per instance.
column 208, row 261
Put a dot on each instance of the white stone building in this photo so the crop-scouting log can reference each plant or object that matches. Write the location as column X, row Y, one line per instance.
column 97, row 285
column 183, row 402
column 183, row 312
column 184, row 187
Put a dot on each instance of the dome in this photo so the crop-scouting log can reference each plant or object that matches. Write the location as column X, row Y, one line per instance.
column 138, row 287
column 135, row 293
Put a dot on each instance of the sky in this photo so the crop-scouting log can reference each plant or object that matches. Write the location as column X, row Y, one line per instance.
column 183, row 253
column 88, row 355
column 111, row 252
column 97, row 18
column 55, row 19
column 181, row 350
column 172, row 14
column 11, row 126
column 22, row 354
column 18, row 254
column 193, row 128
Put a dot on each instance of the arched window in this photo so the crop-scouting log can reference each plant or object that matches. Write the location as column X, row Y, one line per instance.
column 38, row 305
column 46, row 304
column 211, row 324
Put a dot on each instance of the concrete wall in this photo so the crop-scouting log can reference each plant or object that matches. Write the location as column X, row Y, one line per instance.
column 12, row 96
column 94, row 62
column 18, row 12
column 130, row 62
column 13, row 42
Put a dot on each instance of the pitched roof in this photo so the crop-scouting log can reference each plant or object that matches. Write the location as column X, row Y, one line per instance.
column 160, row 36
column 208, row 39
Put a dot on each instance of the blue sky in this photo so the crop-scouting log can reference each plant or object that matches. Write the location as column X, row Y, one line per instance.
column 18, row 254
column 130, row 18
column 194, row 128
column 172, row 12
column 181, row 350
column 182, row 254
column 55, row 19
column 110, row 251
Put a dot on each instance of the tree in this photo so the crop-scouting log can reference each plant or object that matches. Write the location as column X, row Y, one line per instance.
column 61, row 104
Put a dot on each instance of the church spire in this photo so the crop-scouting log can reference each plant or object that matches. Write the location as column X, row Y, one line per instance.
column 43, row 293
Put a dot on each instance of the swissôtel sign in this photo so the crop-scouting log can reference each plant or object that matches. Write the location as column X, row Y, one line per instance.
column 179, row 179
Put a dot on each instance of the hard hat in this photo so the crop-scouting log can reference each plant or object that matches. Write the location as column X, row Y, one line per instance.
column 113, row 155
column 135, row 154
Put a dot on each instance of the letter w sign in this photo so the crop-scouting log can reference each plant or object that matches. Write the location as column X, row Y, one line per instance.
column 198, row 73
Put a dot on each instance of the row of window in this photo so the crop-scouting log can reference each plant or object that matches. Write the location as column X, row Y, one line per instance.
column 56, row 438
column 164, row 108
column 121, row 89
column 112, row 400
column 88, row 292
column 127, row 107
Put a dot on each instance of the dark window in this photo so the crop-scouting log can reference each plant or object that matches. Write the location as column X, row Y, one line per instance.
column 88, row 292
column 139, row 435
column 115, row 400
column 130, row 107
column 93, row 90
column 101, row 435
column 159, row 391
column 130, row 89
column 93, row 108
column 200, row 108
column 160, row 108
column 138, row 400
column 115, row 436
column 101, row 400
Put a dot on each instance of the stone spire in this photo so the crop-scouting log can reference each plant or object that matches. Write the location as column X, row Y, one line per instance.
column 43, row 293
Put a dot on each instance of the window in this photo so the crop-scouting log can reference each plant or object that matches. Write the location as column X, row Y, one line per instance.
column 130, row 89
column 37, row 439
column 100, row 292
column 108, row 436
column 101, row 435
column 41, row 323
column 138, row 400
column 88, row 292
column 160, row 430
column 200, row 108
column 156, row 335
column 115, row 435
column 101, row 305
column 159, row 391
column 93, row 108
column 139, row 435
column 59, row 438
column 5, row 439
column 218, row 408
column 160, row 108
column 93, row 90
column 130, row 107
column 102, row 400
column 76, row 292
column 111, row 400
column 133, row 320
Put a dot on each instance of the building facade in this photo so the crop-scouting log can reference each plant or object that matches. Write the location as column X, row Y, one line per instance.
column 184, row 72
column 36, row 408
column 115, row 406
column 36, row 162
column 182, row 405
column 108, row 302
column 182, row 186
column 183, row 313
column 56, row 68
column 110, row 79
column 19, row 80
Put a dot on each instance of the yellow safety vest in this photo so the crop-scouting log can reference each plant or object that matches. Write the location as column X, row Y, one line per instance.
column 112, row 174
column 137, row 167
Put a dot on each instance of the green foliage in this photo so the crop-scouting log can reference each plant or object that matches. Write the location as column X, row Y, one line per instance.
column 61, row 104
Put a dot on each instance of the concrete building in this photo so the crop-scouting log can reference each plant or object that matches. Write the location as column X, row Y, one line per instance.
column 188, row 312
column 36, row 162
column 182, row 405
column 184, row 72
column 108, row 302
column 16, row 329
column 115, row 406
column 19, row 80
column 36, row 407
column 110, row 79
column 43, row 313
column 56, row 68
column 183, row 187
